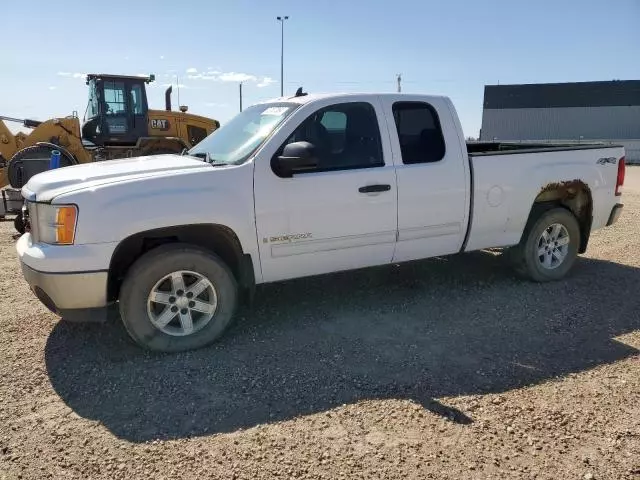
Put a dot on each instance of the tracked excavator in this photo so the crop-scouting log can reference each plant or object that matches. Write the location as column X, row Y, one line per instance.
column 117, row 124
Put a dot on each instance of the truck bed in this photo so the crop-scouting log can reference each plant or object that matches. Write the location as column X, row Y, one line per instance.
column 478, row 149
column 502, row 194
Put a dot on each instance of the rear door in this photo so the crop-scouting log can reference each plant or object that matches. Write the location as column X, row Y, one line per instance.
column 432, row 177
column 341, row 215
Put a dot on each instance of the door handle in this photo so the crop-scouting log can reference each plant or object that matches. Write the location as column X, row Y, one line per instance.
column 375, row 188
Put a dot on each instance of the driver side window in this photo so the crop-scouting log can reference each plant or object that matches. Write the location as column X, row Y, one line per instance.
column 345, row 136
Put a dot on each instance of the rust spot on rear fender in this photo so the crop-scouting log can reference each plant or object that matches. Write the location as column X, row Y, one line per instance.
column 576, row 196
column 569, row 187
column 574, row 193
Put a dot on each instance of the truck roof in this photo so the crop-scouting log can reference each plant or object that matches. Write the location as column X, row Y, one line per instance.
column 145, row 78
column 312, row 97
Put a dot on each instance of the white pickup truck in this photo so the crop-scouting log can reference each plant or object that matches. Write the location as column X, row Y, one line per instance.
column 301, row 186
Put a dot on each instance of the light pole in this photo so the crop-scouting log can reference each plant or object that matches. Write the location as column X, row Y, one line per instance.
column 281, row 20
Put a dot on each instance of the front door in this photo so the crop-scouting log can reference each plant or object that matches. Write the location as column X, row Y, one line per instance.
column 125, row 112
column 341, row 215
column 115, row 114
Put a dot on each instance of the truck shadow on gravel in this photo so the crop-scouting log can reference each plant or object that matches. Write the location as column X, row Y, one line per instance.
column 419, row 331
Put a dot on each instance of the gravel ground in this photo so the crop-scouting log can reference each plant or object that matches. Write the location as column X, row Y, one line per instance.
column 448, row 368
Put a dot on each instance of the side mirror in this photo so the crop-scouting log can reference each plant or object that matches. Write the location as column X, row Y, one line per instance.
column 296, row 157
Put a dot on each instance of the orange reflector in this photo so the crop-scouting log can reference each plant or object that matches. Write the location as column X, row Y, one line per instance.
column 65, row 225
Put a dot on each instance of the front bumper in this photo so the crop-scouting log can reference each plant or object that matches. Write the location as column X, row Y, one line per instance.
column 75, row 295
column 615, row 214
column 68, row 291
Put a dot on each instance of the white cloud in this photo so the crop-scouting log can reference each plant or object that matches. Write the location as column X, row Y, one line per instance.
column 180, row 85
column 52, row 88
column 266, row 81
column 228, row 77
column 72, row 75
column 203, row 76
column 233, row 77
column 192, row 70
column 224, row 77
column 236, row 77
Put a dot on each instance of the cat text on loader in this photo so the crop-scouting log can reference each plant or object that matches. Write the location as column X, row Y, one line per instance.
column 117, row 124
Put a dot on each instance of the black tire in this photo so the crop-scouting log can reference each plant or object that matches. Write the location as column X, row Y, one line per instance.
column 150, row 269
column 19, row 225
column 17, row 177
column 525, row 256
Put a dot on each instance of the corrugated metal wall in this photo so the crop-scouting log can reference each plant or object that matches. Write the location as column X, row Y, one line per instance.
column 561, row 123
column 631, row 150
column 620, row 125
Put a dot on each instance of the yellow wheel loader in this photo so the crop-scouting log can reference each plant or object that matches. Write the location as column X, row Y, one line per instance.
column 117, row 124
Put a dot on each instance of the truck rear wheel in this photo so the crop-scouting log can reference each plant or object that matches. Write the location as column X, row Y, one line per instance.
column 549, row 246
column 177, row 297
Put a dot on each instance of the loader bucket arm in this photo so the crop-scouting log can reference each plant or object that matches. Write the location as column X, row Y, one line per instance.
column 10, row 143
column 7, row 141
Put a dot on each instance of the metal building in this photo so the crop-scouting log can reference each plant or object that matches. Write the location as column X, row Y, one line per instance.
column 567, row 112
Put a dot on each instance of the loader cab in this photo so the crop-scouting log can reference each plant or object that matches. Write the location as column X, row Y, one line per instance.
column 117, row 110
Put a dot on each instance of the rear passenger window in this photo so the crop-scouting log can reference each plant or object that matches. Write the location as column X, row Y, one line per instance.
column 419, row 132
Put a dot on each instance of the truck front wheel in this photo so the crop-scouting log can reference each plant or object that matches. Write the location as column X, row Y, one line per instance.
column 177, row 297
column 549, row 245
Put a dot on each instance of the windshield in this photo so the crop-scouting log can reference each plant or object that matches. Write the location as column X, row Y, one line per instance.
column 236, row 141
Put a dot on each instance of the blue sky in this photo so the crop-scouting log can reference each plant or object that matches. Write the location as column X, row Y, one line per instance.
column 451, row 47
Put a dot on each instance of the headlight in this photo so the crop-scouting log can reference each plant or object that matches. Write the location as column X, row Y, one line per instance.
column 56, row 224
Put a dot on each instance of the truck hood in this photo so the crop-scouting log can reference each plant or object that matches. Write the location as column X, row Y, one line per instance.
column 47, row 185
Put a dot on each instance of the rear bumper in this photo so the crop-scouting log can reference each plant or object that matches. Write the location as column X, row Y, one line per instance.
column 615, row 214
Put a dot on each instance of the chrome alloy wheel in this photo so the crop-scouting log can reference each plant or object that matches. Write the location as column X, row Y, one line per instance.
column 553, row 246
column 182, row 303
